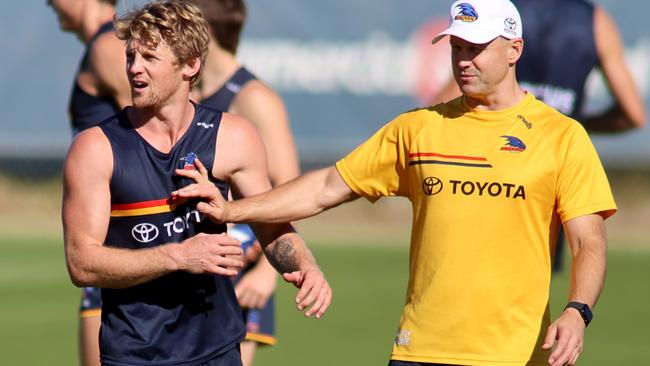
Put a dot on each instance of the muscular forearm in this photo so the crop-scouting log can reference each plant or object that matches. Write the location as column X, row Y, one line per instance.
column 107, row 267
column 92, row 264
column 288, row 202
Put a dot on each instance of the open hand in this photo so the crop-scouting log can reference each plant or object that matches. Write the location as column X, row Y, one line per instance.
column 314, row 291
column 567, row 334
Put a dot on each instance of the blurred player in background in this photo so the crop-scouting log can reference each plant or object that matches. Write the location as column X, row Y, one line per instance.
column 100, row 88
column 228, row 86
column 490, row 175
column 165, row 303
column 559, row 56
column 99, row 91
column 565, row 40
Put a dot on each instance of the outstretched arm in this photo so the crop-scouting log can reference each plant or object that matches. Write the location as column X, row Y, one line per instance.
column 305, row 196
column 629, row 110
column 86, row 215
column 586, row 236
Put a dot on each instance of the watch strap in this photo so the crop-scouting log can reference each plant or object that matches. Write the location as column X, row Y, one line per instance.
column 583, row 309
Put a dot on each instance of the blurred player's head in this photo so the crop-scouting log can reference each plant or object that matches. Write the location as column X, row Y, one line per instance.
column 174, row 24
column 167, row 42
column 71, row 12
column 486, row 42
column 226, row 19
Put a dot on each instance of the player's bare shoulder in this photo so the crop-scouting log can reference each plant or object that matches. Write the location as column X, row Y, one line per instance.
column 238, row 143
column 90, row 151
column 234, row 128
column 254, row 96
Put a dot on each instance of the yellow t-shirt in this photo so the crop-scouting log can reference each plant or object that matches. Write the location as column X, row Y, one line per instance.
column 488, row 191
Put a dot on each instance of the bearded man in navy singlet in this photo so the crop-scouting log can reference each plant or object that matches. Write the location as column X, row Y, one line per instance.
column 164, row 268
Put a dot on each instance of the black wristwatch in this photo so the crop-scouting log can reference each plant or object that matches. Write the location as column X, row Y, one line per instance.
column 584, row 310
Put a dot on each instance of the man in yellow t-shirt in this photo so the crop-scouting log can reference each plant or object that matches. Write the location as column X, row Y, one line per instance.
column 491, row 176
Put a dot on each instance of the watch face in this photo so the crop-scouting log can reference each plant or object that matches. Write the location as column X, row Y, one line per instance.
column 585, row 311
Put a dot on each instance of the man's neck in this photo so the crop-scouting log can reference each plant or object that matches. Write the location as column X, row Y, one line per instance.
column 163, row 126
column 505, row 96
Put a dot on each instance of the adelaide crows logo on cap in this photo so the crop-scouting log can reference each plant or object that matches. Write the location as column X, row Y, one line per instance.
column 466, row 13
column 513, row 144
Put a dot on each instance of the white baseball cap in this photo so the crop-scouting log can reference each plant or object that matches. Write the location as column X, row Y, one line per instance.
column 480, row 21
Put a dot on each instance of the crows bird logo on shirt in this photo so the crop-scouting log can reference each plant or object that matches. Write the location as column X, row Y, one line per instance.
column 466, row 13
column 188, row 161
column 513, row 144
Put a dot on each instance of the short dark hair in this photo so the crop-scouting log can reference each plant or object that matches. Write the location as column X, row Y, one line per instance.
column 226, row 19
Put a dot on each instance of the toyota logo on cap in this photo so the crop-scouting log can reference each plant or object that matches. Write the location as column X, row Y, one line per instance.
column 145, row 232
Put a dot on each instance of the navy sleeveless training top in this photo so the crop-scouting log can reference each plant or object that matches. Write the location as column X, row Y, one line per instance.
column 88, row 110
column 559, row 51
column 223, row 97
column 180, row 318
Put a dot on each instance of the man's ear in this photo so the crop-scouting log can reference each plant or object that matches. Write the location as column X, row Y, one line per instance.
column 191, row 68
column 516, row 50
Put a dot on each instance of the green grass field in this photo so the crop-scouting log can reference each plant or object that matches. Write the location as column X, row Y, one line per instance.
column 38, row 308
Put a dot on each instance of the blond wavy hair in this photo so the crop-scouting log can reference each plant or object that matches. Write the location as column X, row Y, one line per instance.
column 177, row 23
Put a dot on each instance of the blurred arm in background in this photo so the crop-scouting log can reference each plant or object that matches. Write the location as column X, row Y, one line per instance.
column 628, row 110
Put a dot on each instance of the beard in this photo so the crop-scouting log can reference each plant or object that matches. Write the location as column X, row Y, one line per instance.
column 151, row 99
column 156, row 95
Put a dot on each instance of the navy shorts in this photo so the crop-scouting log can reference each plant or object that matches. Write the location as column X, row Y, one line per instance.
column 230, row 358
column 91, row 302
column 260, row 323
